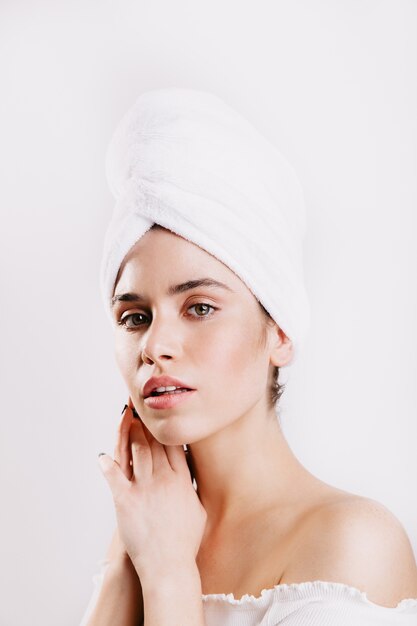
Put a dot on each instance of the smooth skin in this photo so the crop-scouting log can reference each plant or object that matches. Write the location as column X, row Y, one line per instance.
column 160, row 518
column 161, row 522
column 120, row 602
column 126, row 582
column 265, row 511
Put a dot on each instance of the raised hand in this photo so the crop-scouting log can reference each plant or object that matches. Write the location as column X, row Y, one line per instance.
column 122, row 455
column 160, row 518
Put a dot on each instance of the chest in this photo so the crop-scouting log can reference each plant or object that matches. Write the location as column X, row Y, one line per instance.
column 247, row 560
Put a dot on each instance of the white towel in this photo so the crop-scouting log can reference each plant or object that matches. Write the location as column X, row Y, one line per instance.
column 186, row 160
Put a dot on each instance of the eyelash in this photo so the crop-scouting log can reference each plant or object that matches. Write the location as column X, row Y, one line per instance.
column 122, row 321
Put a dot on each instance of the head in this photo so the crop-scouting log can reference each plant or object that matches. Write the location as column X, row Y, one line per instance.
column 220, row 341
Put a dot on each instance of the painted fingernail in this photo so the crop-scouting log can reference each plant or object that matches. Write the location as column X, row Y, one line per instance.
column 135, row 413
column 124, row 409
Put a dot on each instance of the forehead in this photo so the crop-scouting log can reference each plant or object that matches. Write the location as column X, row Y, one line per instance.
column 167, row 257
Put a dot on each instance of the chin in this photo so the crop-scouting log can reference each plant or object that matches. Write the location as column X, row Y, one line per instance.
column 166, row 433
column 175, row 432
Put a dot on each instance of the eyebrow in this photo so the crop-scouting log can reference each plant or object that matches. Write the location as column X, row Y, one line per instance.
column 172, row 290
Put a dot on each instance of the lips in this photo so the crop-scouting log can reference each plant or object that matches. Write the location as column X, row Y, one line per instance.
column 162, row 381
column 168, row 400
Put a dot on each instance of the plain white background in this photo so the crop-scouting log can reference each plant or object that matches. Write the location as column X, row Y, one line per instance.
column 333, row 85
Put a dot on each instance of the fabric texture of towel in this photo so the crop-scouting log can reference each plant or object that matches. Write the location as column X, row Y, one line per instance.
column 184, row 159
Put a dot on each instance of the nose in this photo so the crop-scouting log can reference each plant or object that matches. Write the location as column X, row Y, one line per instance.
column 160, row 343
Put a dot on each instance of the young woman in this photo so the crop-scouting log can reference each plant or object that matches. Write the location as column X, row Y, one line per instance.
column 234, row 529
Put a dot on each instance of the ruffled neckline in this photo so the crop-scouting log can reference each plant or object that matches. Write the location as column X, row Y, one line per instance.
column 308, row 589
column 297, row 591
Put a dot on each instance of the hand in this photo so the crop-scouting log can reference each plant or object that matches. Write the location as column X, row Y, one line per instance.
column 160, row 518
column 117, row 552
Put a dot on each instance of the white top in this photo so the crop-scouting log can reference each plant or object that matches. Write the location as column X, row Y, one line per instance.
column 316, row 603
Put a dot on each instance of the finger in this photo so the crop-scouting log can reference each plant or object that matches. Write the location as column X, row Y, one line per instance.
column 159, row 457
column 177, row 459
column 122, row 452
column 140, row 450
column 136, row 416
column 116, row 480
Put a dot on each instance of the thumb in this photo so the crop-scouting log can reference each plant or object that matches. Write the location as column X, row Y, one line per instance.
column 112, row 473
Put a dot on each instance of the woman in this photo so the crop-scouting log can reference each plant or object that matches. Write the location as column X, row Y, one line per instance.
column 202, row 278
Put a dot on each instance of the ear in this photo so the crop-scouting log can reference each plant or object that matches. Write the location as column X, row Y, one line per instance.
column 282, row 350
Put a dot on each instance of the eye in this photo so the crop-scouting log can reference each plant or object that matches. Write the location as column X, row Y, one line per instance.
column 203, row 304
column 122, row 321
column 133, row 325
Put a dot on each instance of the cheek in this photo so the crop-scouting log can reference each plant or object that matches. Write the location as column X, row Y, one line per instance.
column 235, row 357
column 124, row 354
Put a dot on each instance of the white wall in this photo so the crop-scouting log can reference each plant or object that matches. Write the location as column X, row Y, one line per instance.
column 333, row 84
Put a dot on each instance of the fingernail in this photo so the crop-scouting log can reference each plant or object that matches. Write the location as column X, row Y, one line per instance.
column 135, row 413
column 124, row 409
column 105, row 461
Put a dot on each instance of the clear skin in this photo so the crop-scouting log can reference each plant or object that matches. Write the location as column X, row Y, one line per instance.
column 159, row 515
column 240, row 459
column 251, row 489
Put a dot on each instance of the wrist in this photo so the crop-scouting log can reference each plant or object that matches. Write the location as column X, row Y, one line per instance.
column 122, row 568
column 169, row 576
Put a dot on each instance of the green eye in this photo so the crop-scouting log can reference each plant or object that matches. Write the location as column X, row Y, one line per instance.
column 202, row 304
column 206, row 308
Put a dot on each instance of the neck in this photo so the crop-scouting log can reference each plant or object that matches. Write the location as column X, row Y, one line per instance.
column 245, row 468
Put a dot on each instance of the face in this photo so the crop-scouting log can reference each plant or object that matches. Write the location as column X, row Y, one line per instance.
column 210, row 338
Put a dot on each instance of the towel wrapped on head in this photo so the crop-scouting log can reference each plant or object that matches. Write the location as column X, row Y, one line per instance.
column 186, row 160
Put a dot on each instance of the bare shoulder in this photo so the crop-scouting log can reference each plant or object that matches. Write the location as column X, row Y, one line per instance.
column 359, row 542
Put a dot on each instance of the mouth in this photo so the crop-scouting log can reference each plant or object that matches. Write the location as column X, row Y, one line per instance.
column 167, row 393
column 168, row 399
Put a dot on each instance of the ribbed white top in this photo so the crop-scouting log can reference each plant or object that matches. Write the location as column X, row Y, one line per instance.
column 316, row 603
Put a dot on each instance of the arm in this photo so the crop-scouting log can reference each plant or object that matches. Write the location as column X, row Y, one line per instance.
column 120, row 600
column 174, row 600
